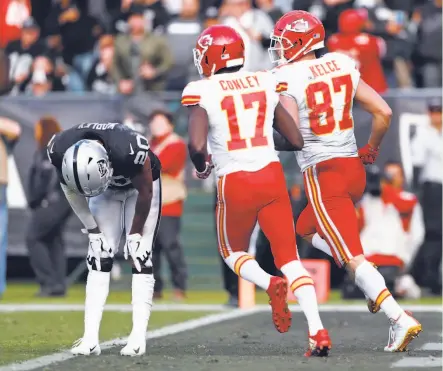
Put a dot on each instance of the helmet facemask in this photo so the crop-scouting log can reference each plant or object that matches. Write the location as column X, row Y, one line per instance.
column 198, row 59
column 200, row 51
column 291, row 37
column 276, row 49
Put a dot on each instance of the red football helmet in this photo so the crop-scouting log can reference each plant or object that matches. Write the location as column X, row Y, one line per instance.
column 218, row 47
column 295, row 34
column 352, row 20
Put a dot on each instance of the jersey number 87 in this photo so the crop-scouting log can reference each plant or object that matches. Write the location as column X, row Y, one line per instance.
column 248, row 99
column 323, row 107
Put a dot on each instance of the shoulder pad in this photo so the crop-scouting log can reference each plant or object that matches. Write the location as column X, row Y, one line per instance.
column 192, row 94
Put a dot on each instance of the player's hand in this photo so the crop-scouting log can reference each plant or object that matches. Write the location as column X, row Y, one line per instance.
column 97, row 245
column 205, row 173
column 368, row 154
column 140, row 253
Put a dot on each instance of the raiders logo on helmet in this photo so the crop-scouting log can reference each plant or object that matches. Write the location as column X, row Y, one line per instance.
column 102, row 168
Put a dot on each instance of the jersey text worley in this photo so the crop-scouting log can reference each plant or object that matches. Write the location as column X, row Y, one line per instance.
column 324, row 89
column 240, row 108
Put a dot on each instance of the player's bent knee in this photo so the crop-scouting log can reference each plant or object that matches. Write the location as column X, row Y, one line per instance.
column 235, row 261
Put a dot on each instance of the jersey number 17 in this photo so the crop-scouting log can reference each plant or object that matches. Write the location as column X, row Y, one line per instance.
column 228, row 105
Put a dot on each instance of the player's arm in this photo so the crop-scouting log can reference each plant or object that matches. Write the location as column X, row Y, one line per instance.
column 288, row 136
column 79, row 205
column 381, row 113
column 198, row 129
column 142, row 182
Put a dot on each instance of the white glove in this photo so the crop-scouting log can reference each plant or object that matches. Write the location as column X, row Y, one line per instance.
column 140, row 253
column 97, row 245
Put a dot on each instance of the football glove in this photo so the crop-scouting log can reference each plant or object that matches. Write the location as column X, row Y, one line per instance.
column 205, row 173
column 140, row 252
column 97, row 246
column 367, row 154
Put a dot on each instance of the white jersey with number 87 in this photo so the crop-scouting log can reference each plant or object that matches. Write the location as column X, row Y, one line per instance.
column 324, row 90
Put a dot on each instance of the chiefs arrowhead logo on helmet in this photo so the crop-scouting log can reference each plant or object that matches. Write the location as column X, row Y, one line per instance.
column 205, row 41
column 218, row 47
column 300, row 25
column 295, row 34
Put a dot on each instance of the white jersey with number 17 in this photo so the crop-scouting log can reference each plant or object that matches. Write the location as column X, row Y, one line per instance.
column 324, row 90
column 240, row 108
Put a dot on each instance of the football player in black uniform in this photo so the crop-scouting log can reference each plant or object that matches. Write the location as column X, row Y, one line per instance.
column 112, row 181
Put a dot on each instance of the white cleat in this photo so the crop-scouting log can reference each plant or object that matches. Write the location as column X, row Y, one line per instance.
column 134, row 348
column 402, row 332
column 85, row 348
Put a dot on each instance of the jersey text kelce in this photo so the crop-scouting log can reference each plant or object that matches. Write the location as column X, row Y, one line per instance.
column 127, row 150
column 240, row 108
column 324, row 89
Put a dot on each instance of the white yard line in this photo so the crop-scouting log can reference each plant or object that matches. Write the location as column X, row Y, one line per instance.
column 418, row 362
column 164, row 331
column 421, row 362
column 432, row 346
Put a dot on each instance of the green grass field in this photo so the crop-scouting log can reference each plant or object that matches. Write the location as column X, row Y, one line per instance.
column 29, row 335
column 24, row 294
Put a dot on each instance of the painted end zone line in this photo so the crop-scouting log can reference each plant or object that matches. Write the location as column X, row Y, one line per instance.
column 165, row 331
column 197, row 307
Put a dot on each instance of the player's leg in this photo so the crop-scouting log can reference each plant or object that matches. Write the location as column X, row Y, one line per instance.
column 236, row 216
column 107, row 211
column 276, row 221
column 142, row 282
column 330, row 195
column 306, row 228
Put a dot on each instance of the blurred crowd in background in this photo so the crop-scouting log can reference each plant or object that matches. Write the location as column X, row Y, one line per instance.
column 132, row 46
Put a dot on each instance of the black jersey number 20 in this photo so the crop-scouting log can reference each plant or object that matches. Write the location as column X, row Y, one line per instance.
column 141, row 155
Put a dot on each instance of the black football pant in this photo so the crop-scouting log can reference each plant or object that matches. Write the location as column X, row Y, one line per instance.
column 427, row 264
column 46, row 248
column 168, row 243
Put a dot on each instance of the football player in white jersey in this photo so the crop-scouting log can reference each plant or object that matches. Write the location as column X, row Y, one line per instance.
column 319, row 96
column 237, row 111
